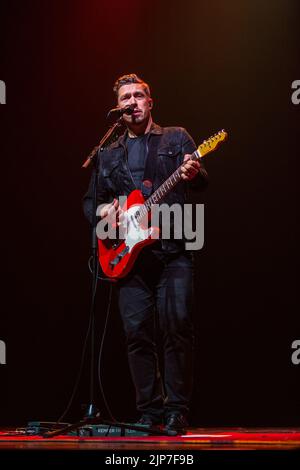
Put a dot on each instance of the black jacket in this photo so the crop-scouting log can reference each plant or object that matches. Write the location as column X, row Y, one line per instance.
column 166, row 146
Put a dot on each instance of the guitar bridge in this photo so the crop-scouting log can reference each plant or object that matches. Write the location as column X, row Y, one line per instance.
column 118, row 258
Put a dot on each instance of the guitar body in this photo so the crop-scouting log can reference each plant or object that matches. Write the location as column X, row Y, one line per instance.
column 117, row 257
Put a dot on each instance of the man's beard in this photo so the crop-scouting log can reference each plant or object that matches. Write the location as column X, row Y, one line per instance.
column 137, row 119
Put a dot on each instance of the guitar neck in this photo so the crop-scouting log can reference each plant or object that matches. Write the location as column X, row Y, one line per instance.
column 206, row 147
column 168, row 185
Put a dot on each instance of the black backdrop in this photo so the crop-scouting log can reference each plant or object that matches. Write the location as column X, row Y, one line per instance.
column 212, row 65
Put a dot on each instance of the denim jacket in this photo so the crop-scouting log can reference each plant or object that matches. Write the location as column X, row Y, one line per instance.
column 169, row 144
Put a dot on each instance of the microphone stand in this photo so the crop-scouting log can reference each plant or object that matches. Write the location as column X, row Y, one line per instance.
column 91, row 416
column 94, row 153
column 93, row 158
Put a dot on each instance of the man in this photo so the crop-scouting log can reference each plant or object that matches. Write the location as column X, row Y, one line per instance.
column 158, row 290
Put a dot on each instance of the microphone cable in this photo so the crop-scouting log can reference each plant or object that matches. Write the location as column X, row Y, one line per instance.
column 108, row 310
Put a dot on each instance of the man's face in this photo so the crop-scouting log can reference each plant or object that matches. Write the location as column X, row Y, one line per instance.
column 134, row 93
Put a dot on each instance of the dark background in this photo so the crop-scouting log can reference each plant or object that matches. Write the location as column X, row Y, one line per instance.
column 211, row 65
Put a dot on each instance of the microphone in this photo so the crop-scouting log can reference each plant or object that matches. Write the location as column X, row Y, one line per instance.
column 120, row 111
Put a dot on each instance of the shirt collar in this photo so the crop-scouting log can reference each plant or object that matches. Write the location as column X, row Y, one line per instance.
column 155, row 129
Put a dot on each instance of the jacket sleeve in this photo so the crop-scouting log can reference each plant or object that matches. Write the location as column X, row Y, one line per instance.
column 188, row 146
column 103, row 193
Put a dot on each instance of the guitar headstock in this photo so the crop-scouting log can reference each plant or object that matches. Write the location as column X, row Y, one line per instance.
column 212, row 143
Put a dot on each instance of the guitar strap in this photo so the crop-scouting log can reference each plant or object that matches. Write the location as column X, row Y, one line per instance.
column 150, row 165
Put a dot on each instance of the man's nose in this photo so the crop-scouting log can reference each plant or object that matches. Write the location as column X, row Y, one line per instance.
column 133, row 101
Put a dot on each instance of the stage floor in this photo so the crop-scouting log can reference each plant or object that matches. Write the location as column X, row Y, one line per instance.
column 195, row 439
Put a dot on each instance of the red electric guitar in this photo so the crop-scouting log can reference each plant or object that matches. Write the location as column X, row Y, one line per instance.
column 117, row 257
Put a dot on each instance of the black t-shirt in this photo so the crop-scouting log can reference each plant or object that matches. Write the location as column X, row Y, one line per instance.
column 136, row 148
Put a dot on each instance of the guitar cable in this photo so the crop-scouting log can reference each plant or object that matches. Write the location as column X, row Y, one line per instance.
column 99, row 277
column 77, row 381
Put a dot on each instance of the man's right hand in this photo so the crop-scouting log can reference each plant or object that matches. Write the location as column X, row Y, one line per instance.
column 113, row 212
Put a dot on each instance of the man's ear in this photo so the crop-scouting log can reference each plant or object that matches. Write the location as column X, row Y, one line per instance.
column 150, row 103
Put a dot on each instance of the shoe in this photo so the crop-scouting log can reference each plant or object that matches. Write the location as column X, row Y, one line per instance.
column 148, row 421
column 176, row 422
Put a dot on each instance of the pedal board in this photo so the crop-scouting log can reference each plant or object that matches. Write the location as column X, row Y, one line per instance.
column 104, row 430
column 36, row 428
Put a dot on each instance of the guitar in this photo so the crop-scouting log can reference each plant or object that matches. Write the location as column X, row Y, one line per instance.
column 117, row 257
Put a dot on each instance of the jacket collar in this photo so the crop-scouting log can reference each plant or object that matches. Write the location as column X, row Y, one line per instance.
column 120, row 142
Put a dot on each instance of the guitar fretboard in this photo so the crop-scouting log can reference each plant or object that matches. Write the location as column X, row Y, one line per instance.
column 163, row 189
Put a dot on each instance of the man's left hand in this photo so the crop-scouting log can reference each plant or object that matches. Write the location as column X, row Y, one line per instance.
column 190, row 168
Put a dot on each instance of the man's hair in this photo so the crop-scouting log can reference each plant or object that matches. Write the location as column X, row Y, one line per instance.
column 128, row 79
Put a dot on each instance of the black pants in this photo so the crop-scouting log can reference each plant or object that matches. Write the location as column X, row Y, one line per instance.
column 160, row 283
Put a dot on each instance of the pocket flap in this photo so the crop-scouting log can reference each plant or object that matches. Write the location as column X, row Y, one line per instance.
column 169, row 150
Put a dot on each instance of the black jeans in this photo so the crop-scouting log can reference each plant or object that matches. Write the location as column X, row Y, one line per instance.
column 160, row 283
